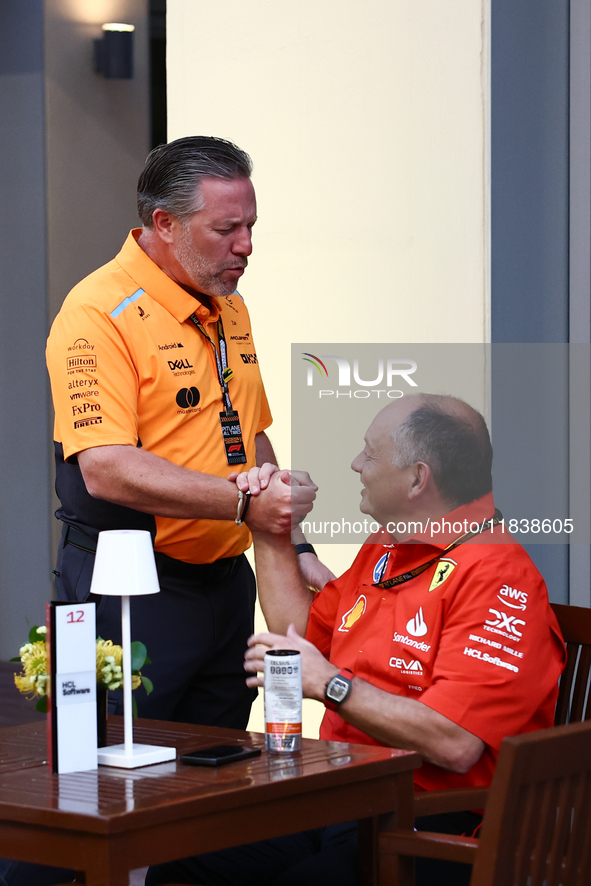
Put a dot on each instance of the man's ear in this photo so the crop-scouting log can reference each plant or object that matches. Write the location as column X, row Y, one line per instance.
column 165, row 225
column 421, row 477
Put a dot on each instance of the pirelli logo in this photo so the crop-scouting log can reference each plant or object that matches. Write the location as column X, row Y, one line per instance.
column 86, row 362
column 85, row 422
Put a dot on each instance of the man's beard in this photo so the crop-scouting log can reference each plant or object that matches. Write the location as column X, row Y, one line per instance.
column 204, row 275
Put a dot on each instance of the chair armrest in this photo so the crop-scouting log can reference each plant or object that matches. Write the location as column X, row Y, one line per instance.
column 452, row 800
column 424, row 844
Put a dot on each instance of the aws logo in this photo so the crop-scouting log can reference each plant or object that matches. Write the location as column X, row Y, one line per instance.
column 353, row 614
column 519, row 597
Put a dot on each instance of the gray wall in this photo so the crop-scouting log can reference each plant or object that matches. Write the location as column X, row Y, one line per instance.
column 24, row 418
column 530, row 246
column 71, row 148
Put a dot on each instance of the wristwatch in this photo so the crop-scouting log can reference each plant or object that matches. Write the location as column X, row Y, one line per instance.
column 338, row 689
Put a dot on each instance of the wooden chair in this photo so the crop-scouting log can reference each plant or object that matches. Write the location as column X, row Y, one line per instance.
column 574, row 703
column 537, row 827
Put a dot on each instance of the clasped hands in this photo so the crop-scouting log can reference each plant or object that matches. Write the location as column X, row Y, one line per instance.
column 280, row 499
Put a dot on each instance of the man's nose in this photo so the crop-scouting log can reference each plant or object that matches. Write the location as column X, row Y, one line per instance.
column 355, row 466
column 243, row 242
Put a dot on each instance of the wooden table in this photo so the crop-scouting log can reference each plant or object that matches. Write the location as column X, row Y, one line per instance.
column 108, row 821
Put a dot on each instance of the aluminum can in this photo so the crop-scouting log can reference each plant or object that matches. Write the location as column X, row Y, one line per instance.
column 283, row 701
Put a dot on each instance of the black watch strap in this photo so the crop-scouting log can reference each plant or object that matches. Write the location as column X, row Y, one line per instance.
column 304, row 548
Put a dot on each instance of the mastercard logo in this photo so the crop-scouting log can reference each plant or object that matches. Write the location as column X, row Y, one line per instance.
column 354, row 614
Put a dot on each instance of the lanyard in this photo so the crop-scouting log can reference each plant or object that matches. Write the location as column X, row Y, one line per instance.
column 221, row 359
column 406, row 576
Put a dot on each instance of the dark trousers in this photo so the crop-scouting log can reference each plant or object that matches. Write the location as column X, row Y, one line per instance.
column 195, row 631
column 312, row 858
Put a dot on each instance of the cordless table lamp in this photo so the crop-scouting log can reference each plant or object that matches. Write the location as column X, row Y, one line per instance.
column 125, row 567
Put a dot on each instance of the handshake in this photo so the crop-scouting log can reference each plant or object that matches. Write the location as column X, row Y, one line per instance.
column 279, row 499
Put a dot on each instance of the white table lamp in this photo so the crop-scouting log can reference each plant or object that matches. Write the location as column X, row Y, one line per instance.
column 124, row 567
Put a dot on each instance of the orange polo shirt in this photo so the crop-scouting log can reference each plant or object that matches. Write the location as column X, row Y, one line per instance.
column 472, row 637
column 127, row 364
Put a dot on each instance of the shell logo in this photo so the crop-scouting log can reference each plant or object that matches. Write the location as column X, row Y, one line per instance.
column 353, row 614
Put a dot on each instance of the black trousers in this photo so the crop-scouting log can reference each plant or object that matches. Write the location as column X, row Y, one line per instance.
column 318, row 857
column 195, row 631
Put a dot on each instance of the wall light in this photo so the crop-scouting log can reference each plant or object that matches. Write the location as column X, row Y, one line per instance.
column 113, row 54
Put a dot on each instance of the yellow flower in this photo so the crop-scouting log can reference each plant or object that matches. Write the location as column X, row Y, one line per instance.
column 108, row 656
column 34, row 662
column 109, row 668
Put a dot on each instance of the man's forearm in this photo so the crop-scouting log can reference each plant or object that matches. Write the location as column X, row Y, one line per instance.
column 395, row 721
column 264, row 450
column 135, row 478
column 283, row 595
column 392, row 720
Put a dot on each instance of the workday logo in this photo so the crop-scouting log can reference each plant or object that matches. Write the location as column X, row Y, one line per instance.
column 388, row 371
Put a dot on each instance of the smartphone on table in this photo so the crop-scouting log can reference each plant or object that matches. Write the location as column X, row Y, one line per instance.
column 219, row 755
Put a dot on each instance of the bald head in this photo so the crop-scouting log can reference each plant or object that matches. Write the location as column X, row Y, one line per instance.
column 449, row 436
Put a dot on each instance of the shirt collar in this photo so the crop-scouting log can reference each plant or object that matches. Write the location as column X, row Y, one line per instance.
column 159, row 285
column 467, row 518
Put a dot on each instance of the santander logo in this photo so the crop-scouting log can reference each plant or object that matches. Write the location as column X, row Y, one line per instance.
column 416, row 627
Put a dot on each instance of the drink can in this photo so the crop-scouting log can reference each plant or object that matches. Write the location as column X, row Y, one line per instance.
column 283, row 701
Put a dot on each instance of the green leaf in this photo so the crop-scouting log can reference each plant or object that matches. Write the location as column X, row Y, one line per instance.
column 147, row 684
column 18, row 658
column 34, row 636
column 134, row 708
column 138, row 655
column 41, row 705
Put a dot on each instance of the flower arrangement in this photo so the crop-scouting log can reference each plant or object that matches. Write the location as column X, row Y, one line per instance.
column 34, row 679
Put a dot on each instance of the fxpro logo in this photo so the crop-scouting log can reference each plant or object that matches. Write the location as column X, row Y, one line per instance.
column 388, row 371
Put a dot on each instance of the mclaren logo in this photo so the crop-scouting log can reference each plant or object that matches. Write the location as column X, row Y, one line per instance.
column 353, row 614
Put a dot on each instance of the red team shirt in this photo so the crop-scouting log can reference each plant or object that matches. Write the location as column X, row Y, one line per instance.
column 472, row 637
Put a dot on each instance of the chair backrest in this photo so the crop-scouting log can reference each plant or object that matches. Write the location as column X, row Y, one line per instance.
column 537, row 825
column 574, row 702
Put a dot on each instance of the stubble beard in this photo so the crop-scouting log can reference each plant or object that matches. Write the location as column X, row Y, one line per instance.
column 204, row 275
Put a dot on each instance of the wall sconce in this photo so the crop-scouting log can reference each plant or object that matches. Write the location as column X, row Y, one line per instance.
column 113, row 54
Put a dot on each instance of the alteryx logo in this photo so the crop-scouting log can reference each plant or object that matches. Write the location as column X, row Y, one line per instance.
column 386, row 371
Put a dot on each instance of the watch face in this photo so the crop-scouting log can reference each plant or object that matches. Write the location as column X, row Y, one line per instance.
column 337, row 689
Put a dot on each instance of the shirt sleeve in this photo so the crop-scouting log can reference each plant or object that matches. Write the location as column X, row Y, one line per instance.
column 94, row 382
column 325, row 606
column 497, row 667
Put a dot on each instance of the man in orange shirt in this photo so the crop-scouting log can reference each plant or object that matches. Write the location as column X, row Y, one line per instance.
column 432, row 640
column 158, row 398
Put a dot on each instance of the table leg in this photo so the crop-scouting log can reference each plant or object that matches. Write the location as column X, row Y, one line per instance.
column 371, row 871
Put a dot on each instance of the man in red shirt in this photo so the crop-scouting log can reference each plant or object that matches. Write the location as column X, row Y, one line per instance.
column 431, row 641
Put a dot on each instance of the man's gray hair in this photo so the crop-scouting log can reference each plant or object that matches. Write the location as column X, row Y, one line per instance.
column 452, row 438
column 173, row 172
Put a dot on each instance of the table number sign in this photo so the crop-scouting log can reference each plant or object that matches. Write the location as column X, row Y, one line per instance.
column 72, row 735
